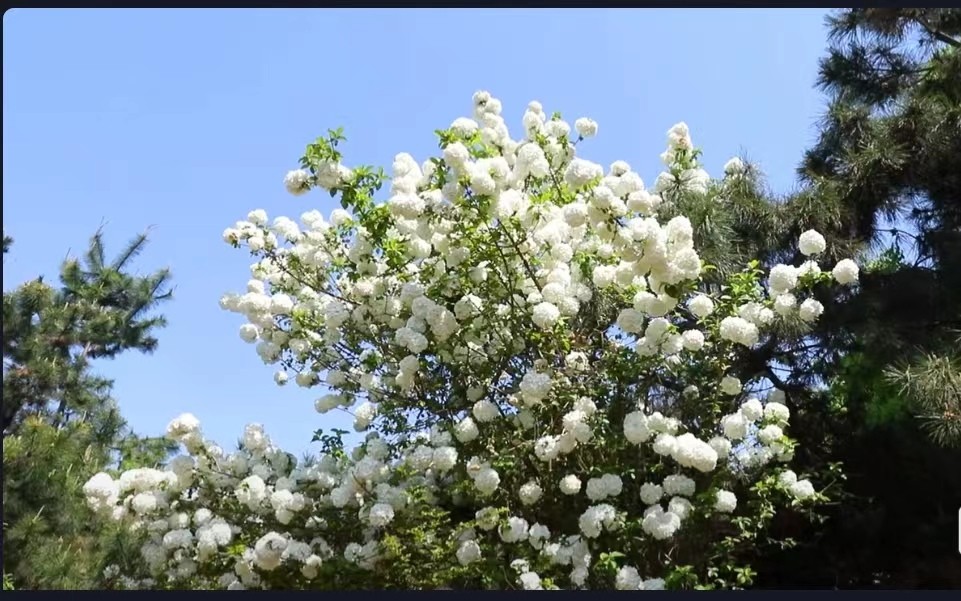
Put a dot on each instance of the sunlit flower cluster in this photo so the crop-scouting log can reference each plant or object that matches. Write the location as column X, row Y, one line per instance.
column 523, row 338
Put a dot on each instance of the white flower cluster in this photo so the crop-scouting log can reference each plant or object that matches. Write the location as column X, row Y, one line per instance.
column 508, row 330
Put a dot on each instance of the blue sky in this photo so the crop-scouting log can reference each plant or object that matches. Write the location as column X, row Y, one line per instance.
column 185, row 120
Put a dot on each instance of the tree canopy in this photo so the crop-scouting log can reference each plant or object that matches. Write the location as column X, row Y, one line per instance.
column 61, row 424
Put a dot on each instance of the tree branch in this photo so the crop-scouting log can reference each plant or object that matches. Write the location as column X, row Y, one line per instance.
column 938, row 34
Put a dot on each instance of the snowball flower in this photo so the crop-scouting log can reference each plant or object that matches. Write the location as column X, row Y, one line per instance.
column 530, row 493
column 514, row 531
column 596, row 489
column 693, row 340
column 297, row 181
column 653, row 584
column 585, row 127
column 487, row 481
column 364, row 415
column 770, row 434
column 486, row 518
column 739, row 330
column 845, row 272
column 380, row 515
column 530, row 581
column 538, row 534
column 810, row 310
column 485, row 411
column 636, row 428
column 143, row 503
column 701, row 306
column 721, row 446
column 659, row 523
column 466, row 430
column 784, row 303
column 468, row 552
column 776, row 412
column 101, row 490
column 783, row 278
column 269, row 551
column 463, row 126
column 534, row 387
column 613, row 484
column 651, row 493
column 627, row 579
column 735, row 426
column 281, row 304
column 595, row 518
column 734, row 166
column 752, row 409
column 802, row 489
column 730, row 385
column 680, row 507
column 631, row 321
column 809, row 268
column 725, row 501
column 787, row 478
column 182, row 427
column 444, row 458
column 811, row 243
column 456, row 154
column 665, row 444
column 545, row 315
column 678, row 485
column 570, row 484
column 579, row 172
column 694, row 453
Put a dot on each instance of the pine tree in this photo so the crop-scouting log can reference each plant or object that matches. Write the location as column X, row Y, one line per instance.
column 51, row 335
column 890, row 152
column 883, row 177
column 882, row 183
column 60, row 423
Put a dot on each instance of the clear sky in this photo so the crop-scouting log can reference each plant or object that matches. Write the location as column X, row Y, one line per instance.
column 185, row 120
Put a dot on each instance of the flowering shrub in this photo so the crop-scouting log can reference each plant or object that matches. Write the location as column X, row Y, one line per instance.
column 547, row 390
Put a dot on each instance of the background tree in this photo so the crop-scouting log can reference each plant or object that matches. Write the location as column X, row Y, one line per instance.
column 60, row 424
column 884, row 176
column 890, row 153
column 51, row 335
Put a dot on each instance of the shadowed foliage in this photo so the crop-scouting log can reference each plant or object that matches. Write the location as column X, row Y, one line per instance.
column 885, row 176
column 60, row 424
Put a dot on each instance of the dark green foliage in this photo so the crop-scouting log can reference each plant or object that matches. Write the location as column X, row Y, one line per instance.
column 60, row 425
column 882, row 184
column 893, row 524
column 886, row 174
column 890, row 150
column 51, row 335
column 51, row 540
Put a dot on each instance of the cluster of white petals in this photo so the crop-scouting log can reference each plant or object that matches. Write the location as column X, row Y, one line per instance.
column 512, row 330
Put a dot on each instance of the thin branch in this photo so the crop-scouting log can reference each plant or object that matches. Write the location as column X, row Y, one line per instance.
column 938, row 34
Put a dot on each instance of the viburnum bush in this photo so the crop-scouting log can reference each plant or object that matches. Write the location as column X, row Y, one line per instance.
column 548, row 392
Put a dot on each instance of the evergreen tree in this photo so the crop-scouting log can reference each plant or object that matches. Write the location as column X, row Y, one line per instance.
column 60, row 424
column 890, row 153
column 885, row 176
column 883, row 181
column 51, row 335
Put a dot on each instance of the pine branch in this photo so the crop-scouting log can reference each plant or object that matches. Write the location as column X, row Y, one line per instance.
column 132, row 250
column 938, row 34
column 95, row 252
